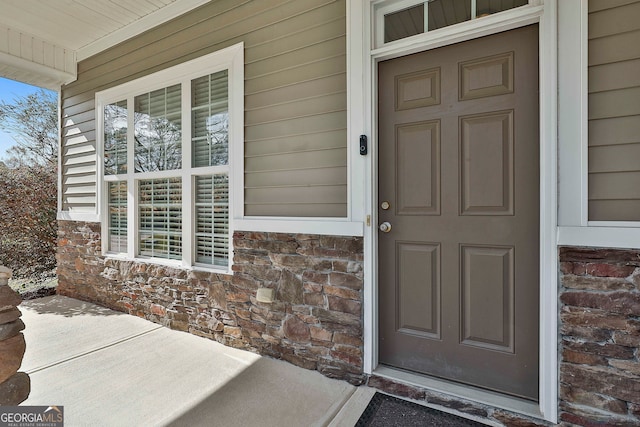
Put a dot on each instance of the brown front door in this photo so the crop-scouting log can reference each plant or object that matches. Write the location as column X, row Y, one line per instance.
column 459, row 187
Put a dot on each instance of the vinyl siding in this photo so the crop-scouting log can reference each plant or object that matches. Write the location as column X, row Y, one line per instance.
column 614, row 110
column 295, row 100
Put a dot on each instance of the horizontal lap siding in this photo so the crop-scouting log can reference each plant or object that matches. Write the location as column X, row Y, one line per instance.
column 78, row 157
column 614, row 110
column 295, row 99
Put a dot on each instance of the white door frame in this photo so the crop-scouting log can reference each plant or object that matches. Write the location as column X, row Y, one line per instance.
column 362, row 59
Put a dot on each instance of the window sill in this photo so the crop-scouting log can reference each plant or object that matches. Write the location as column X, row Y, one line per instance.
column 170, row 264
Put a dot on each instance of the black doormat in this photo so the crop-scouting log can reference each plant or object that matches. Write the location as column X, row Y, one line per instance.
column 388, row 411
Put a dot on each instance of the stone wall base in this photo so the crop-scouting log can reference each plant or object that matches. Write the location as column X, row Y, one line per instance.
column 316, row 319
column 314, row 322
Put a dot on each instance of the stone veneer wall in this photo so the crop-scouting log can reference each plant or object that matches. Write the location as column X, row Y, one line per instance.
column 600, row 336
column 315, row 321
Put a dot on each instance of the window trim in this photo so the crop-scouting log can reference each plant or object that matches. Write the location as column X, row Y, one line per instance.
column 382, row 8
column 230, row 58
column 574, row 227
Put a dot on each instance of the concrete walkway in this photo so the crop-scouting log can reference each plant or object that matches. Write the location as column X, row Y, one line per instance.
column 111, row 369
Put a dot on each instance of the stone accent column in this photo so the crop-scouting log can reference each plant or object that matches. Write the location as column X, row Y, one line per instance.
column 600, row 337
column 14, row 386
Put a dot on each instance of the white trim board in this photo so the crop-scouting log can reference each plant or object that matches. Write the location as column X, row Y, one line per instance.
column 362, row 72
column 78, row 216
column 575, row 229
column 599, row 237
column 572, row 112
column 323, row 226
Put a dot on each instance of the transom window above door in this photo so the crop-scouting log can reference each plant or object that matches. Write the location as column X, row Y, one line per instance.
column 401, row 19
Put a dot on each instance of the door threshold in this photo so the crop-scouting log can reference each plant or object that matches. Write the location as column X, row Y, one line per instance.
column 473, row 394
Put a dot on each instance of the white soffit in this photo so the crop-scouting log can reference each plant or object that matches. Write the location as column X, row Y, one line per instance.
column 41, row 41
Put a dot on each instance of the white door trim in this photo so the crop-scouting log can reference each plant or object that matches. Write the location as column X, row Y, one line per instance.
column 362, row 96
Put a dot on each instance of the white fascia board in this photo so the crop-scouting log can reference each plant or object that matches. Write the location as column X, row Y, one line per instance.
column 167, row 13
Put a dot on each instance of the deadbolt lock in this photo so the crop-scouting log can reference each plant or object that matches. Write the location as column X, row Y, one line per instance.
column 385, row 205
column 385, row 227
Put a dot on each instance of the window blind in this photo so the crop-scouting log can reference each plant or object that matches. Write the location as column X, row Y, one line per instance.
column 160, row 213
column 117, row 205
column 210, row 120
column 212, row 219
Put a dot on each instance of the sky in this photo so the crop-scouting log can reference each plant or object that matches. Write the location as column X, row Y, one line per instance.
column 9, row 90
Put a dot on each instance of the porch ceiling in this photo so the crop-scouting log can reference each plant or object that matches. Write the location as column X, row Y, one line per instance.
column 41, row 41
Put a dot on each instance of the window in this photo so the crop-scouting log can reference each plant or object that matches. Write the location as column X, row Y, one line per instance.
column 160, row 216
column 402, row 19
column 167, row 148
column 157, row 121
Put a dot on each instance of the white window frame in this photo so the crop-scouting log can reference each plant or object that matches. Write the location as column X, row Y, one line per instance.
column 575, row 229
column 362, row 61
column 232, row 59
column 384, row 8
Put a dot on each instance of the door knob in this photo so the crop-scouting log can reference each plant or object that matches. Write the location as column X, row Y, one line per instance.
column 385, row 227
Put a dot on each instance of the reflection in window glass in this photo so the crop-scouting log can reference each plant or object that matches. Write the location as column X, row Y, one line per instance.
column 158, row 130
column 115, row 138
column 440, row 14
column 210, row 120
column 488, row 7
column 443, row 13
column 404, row 23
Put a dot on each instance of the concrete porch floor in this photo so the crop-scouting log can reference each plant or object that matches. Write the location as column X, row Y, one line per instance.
column 112, row 369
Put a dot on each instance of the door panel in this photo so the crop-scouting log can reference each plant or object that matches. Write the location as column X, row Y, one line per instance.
column 486, row 164
column 418, row 282
column 418, row 165
column 487, row 297
column 458, row 167
column 484, row 77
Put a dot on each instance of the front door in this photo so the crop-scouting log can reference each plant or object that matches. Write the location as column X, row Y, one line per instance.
column 459, row 212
